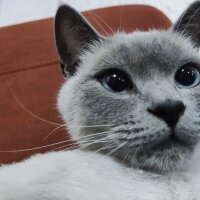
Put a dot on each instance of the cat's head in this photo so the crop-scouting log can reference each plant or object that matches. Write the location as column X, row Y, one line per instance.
column 135, row 96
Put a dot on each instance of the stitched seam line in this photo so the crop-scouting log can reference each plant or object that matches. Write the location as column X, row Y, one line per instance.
column 32, row 66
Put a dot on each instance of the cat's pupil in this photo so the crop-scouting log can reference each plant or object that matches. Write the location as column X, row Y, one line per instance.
column 116, row 82
column 187, row 76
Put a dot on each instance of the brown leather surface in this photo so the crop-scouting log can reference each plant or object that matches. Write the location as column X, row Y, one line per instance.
column 30, row 77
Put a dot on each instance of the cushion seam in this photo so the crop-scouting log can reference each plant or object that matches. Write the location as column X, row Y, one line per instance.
column 30, row 66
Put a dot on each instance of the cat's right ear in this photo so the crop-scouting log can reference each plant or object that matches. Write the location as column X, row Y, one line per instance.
column 73, row 35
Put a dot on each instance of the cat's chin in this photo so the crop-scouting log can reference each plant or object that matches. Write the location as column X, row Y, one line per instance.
column 167, row 156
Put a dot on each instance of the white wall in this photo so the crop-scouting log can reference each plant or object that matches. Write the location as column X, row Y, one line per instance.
column 18, row 11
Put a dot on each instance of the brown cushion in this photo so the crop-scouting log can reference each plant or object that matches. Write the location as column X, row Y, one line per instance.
column 30, row 77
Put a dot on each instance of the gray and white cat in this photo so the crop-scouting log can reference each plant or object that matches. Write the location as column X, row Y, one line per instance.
column 132, row 101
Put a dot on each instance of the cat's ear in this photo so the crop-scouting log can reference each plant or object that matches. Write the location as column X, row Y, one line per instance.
column 189, row 23
column 73, row 34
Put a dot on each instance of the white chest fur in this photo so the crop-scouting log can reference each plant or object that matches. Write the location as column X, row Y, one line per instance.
column 75, row 175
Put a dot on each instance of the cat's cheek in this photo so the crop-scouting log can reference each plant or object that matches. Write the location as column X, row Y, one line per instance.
column 65, row 103
column 62, row 100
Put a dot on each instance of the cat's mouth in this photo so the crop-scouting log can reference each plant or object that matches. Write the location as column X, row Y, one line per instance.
column 169, row 142
column 164, row 155
column 161, row 152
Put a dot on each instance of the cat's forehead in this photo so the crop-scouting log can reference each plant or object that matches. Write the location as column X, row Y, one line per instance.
column 144, row 51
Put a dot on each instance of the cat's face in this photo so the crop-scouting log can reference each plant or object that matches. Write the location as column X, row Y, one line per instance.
column 134, row 96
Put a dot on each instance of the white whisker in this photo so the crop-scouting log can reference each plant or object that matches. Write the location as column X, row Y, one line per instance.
column 104, row 148
column 118, row 147
column 103, row 22
column 28, row 111
column 72, row 146
column 120, row 19
column 34, row 148
column 126, row 156
column 106, row 33
column 97, row 125
column 53, row 144
column 54, row 130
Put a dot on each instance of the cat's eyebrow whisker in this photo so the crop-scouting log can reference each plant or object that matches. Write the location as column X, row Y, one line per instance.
column 91, row 14
column 103, row 22
column 120, row 19
column 27, row 110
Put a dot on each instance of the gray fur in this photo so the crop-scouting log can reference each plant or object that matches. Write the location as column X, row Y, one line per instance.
column 137, row 138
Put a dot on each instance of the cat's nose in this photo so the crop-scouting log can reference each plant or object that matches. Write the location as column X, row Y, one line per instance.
column 170, row 111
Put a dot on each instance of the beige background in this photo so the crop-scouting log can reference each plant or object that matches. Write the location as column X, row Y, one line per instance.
column 18, row 11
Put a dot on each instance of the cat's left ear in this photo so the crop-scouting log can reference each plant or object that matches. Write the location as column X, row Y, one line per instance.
column 73, row 34
column 189, row 23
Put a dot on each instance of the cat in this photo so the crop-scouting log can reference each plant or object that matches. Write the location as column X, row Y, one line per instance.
column 132, row 101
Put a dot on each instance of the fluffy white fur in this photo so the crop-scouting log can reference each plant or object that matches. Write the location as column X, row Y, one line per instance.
column 75, row 175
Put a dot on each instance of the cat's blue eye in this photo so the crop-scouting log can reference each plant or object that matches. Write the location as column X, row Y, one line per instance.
column 115, row 80
column 187, row 76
